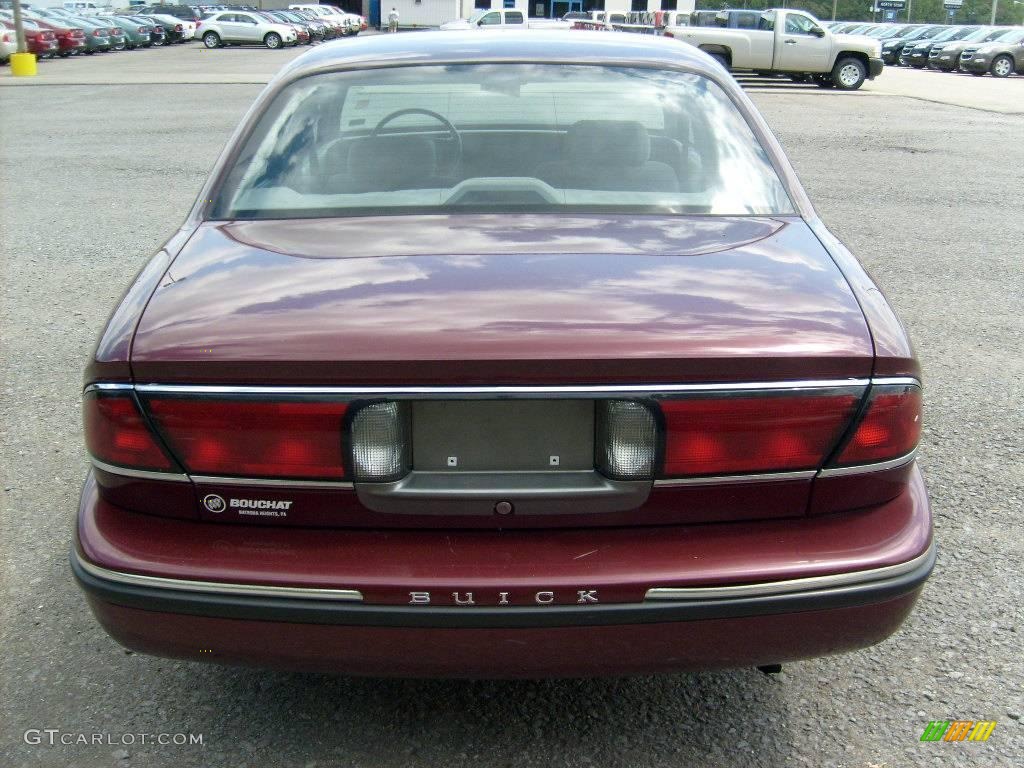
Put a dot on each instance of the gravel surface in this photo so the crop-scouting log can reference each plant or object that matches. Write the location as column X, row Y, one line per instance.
column 95, row 177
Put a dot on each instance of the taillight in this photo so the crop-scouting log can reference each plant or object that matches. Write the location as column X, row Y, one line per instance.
column 755, row 433
column 116, row 433
column 287, row 439
column 143, row 30
column 889, row 429
column 178, row 27
column 99, row 33
column 668, row 34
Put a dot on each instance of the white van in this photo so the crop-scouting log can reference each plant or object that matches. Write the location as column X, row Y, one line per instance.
column 83, row 8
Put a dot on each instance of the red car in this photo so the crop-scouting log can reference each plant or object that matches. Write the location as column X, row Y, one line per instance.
column 42, row 42
column 492, row 356
column 70, row 40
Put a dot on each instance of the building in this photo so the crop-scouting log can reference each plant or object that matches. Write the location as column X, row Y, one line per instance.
column 433, row 13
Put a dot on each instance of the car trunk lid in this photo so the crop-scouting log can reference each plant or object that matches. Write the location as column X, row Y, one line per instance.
column 434, row 300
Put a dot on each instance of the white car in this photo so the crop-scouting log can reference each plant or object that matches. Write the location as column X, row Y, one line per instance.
column 351, row 22
column 241, row 28
column 7, row 44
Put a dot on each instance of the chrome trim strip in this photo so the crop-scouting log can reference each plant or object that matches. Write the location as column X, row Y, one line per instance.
column 790, row 586
column 509, row 391
column 883, row 380
column 863, row 469
column 108, row 387
column 766, row 477
column 271, row 482
column 215, row 587
column 141, row 474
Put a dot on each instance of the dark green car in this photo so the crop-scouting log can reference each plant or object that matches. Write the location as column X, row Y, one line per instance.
column 136, row 33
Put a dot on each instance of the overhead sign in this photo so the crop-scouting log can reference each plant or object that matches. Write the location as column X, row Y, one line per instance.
column 895, row 5
column 952, row 4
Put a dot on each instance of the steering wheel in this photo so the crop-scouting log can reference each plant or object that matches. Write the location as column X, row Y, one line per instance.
column 454, row 138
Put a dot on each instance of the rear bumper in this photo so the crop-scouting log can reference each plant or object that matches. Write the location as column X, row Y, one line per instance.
column 530, row 652
column 672, row 598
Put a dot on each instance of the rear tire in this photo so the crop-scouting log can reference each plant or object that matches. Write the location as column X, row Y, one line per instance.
column 849, row 74
column 211, row 40
column 272, row 40
column 1002, row 66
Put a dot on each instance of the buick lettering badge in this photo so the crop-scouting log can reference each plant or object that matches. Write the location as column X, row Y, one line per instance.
column 544, row 597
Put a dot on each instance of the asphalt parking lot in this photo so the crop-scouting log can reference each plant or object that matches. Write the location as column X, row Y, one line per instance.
column 95, row 175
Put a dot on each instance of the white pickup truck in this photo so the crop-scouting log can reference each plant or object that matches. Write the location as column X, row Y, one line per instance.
column 502, row 19
column 788, row 42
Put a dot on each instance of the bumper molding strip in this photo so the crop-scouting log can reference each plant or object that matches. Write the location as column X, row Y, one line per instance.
column 790, row 586
column 344, row 607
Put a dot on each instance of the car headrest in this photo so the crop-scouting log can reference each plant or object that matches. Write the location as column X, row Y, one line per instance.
column 614, row 142
column 393, row 162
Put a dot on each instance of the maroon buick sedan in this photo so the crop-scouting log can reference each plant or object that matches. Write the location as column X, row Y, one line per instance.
column 502, row 355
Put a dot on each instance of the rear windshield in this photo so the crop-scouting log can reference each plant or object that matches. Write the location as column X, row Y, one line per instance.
column 500, row 138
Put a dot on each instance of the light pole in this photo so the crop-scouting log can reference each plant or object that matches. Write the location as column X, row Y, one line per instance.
column 23, row 63
column 995, row 7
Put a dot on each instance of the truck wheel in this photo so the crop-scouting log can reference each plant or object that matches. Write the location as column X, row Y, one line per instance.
column 849, row 74
column 1002, row 66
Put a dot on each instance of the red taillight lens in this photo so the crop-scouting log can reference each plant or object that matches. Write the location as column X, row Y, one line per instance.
column 99, row 33
column 889, row 429
column 752, row 434
column 178, row 27
column 116, row 433
column 253, row 438
column 143, row 30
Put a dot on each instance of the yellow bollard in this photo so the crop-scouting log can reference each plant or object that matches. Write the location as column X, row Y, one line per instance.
column 23, row 64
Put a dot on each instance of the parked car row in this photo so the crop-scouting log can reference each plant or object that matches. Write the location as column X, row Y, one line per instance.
column 51, row 32
column 974, row 48
column 240, row 25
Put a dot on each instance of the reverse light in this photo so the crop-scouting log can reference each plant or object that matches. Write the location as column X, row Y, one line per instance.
column 626, row 440
column 889, row 429
column 381, row 444
column 742, row 434
column 253, row 438
column 117, row 433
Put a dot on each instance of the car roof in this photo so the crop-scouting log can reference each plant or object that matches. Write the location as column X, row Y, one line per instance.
column 480, row 46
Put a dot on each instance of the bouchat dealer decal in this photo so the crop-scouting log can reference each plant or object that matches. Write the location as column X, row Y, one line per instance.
column 247, row 507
